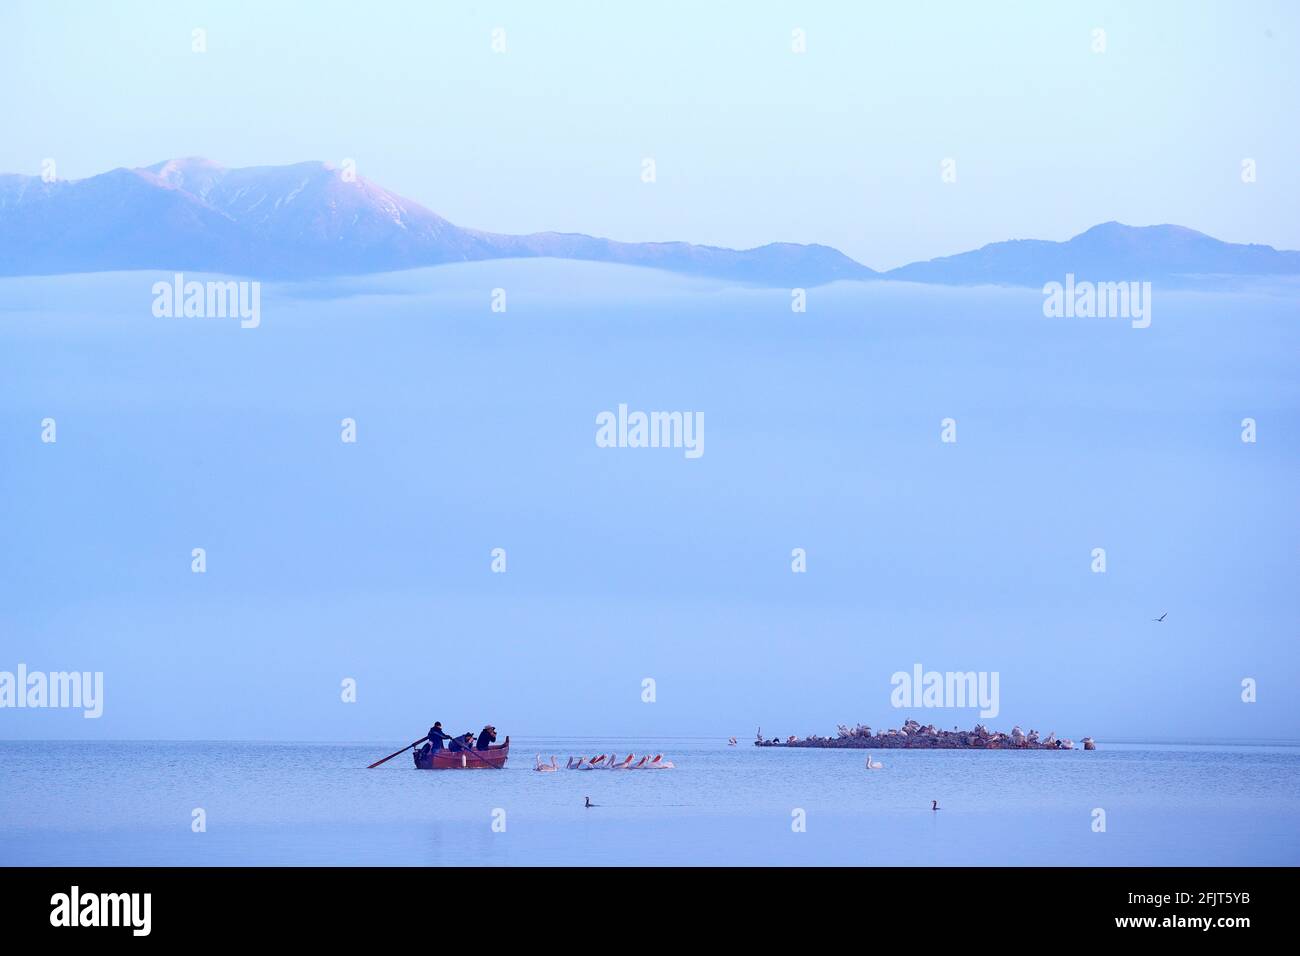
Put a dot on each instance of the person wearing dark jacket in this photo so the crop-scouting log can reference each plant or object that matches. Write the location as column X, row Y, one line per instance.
column 436, row 736
column 485, row 738
column 465, row 742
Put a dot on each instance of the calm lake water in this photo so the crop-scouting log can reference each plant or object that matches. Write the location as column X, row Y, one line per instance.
column 131, row 803
column 372, row 561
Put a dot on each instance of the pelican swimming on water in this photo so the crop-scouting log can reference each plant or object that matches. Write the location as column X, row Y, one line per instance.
column 547, row 767
column 874, row 764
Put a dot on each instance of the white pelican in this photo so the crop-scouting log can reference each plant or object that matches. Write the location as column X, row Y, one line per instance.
column 731, row 741
column 659, row 763
column 546, row 768
column 874, row 764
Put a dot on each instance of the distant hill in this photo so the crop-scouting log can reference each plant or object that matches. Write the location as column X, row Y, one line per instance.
column 308, row 220
column 1111, row 251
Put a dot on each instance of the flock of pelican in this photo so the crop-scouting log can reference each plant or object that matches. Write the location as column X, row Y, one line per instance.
column 606, row 762
column 611, row 762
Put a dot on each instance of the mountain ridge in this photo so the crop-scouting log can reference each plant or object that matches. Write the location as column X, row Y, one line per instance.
column 312, row 219
column 1107, row 251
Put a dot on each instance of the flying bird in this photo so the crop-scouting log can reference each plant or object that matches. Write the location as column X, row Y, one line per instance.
column 1160, row 618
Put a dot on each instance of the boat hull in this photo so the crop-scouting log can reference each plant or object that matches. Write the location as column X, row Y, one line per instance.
column 494, row 757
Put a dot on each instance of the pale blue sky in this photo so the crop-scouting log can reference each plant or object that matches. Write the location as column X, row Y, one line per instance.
column 841, row 145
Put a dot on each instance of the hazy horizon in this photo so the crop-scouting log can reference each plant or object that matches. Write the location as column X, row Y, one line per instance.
column 372, row 560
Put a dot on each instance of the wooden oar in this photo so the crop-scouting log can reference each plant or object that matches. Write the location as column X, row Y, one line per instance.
column 484, row 759
column 402, row 751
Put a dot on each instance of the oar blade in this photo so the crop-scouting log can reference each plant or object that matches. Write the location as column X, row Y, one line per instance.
column 396, row 753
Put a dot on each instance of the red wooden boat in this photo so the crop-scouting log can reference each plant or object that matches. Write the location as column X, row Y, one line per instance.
column 494, row 756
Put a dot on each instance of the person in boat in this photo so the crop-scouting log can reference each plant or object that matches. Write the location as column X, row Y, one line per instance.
column 436, row 736
column 487, row 737
column 464, row 742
